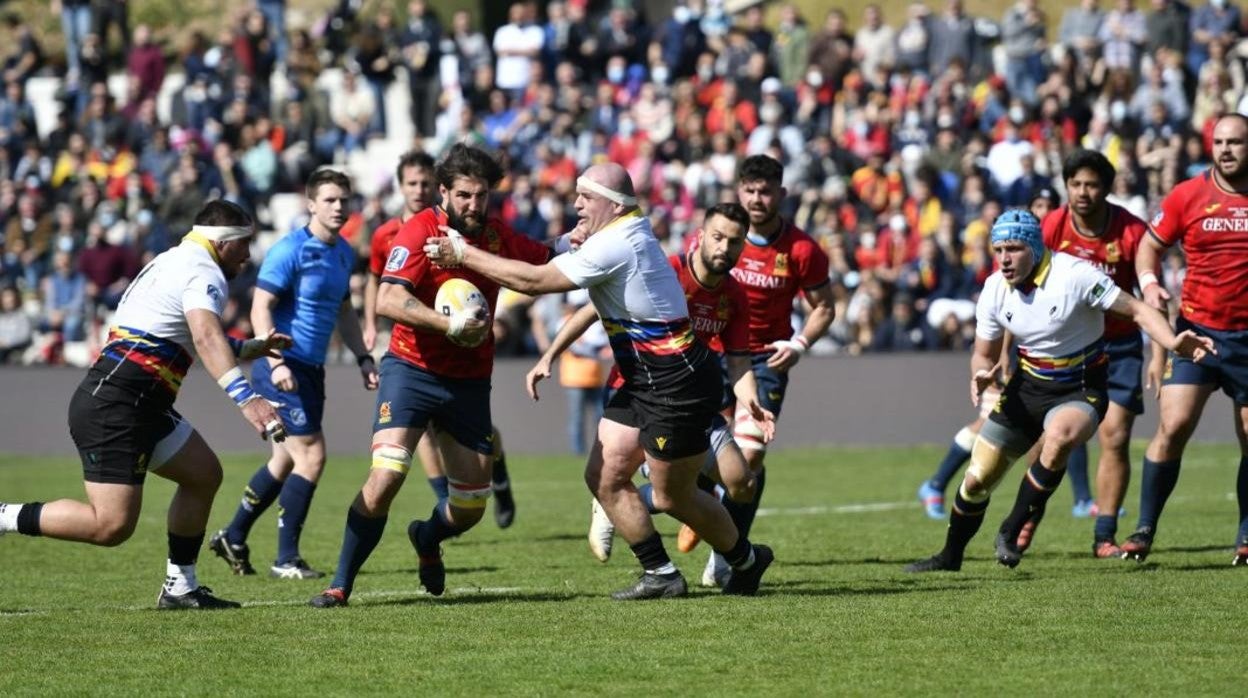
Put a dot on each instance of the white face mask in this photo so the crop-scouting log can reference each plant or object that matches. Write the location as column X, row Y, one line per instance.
column 660, row 74
column 1017, row 115
column 615, row 74
column 682, row 14
column 770, row 113
column 814, row 78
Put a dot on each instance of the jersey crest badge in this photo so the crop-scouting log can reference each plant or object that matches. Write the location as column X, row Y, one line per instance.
column 398, row 257
column 213, row 293
column 298, row 417
column 781, row 265
column 724, row 309
column 660, row 441
column 1112, row 253
column 383, row 413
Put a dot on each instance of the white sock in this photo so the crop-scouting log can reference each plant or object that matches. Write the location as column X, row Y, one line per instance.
column 8, row 516
column 180, row 579
column 668, row 568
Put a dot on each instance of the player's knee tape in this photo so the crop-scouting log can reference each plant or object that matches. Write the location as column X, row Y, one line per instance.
column 988, row 402
column 391, row 457
column 746, row 432
column 965, row 439
column 989, row 463
column 721, row 436
column 469, row 495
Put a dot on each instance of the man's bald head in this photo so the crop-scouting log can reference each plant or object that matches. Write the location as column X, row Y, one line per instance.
column 603, row 193
column 613, row 177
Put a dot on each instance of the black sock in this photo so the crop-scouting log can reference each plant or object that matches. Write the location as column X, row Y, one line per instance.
column 261, row 491
column 499, row 477
column 184, row 550
column 436, row 530
column 1033, row 493
column 1157, row 483
column 964, row 523
column 739, row 556
column 651, row 553
column 1241, row 490
column 28, row 519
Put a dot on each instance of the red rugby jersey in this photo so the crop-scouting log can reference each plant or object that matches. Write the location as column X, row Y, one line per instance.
column 1113, row 253
column 1212, row 224
column 407, row 265
column 379, row 246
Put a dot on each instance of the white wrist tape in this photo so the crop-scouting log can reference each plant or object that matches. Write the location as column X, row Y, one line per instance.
column 1147, row 279
column 798, row 344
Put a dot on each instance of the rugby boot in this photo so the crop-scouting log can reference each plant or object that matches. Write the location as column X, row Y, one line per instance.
column 238, row 557
column 933, row 501
column 745, row 582
column 330, row 598
column 504, row 507
column 200, row 598
column 601, row 532
column 1241, row 556
column 1138, row 545
column 295, row 569
column 653, row 586
column 687, row 539
column 716, row 572
column 1007, row 552
column 430, row 569
column 936, row 563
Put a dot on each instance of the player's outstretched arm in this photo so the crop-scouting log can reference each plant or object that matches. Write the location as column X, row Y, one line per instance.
column 519, row 276
column 985, row 365
column 745, row 388
column 1186, row 343
column 818, row 320
column 349, row 330
column 572, row 329
column 218, row 357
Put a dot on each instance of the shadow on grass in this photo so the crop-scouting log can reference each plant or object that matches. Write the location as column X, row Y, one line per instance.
column 469, row 599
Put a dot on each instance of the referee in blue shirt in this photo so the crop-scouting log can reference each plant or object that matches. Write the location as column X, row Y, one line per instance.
column 303, row 290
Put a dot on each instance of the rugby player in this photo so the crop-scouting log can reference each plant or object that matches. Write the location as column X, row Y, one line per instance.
column 1208, row 214
column 437, row 371
column 303, row 290
column 122, row 419
column 416, row 174
column 717, row 309
column 1054, row 305
column 672, row 385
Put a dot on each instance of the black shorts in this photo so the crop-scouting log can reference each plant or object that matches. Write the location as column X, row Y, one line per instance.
column 676, row 422
column 1026, row 402
column 117, row 436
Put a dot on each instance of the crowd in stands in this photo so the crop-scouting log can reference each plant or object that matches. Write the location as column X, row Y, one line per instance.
column 902, row 139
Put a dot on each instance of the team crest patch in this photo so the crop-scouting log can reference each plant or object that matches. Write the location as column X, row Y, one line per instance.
column 398, row 257
column 1157, row 218
column 1112, row 253
column 781, row 265
column 214, row 293
column 660, row 441
column 141, row 466
column 298, row 417
column 383, row 413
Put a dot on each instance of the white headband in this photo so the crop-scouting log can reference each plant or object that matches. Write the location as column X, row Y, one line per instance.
column 604, row 192
column 223, row 233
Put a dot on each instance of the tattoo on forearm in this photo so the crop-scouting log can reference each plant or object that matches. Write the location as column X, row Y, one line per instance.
column 411, row 305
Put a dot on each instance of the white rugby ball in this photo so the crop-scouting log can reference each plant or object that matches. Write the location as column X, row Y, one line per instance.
column 457, row 294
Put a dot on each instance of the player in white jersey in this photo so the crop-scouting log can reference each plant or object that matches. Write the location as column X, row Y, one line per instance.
column 1054, row 306
column 122, row 419
column 672, row 387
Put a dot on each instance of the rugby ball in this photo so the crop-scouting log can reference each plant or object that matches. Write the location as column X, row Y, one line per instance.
column 455, row 295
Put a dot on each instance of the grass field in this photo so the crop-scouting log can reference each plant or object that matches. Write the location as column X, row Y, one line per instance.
column 526, row 610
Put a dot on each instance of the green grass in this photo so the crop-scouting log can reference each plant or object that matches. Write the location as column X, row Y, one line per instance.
column 527, row 613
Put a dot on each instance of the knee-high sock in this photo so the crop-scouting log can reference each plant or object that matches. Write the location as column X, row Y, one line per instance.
column 964, row 523
column 1241, row 490
column 1033, row 493
column 958, row 454
column 435, row 530
column 1077, row 466
column 260, row 492
column 646, row 492
column 1157, row 483
column 743, row 514
column 441, row 487
column 499, row 479
column 293, row 505
column 358, row 540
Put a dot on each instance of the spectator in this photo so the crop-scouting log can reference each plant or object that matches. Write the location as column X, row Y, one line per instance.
column 27, row 55
column 146, row 61
column 16, row 331
column 75, row 26
column 1023, row 36
column 350, row 112
column 1215, row 20
column 952, row 38
column 1080, row 32
column 902, row 330
column 376, row 52
column 1166, row 26
column 108, row 266
column 109, row 13
column 832, row 49
column 64, row 299
column 875, row 44
column 516, row 44
column 914, row 40
column 1122, row 34
column 421, row 46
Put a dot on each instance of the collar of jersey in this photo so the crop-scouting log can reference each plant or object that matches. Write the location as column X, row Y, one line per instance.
column 1040, row 276
column 635, row 213
column 203, row 242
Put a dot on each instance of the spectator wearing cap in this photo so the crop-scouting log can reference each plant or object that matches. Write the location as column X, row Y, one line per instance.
column 1043, row 201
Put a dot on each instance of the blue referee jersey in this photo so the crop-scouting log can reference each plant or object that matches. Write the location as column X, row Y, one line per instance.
column 311, row 280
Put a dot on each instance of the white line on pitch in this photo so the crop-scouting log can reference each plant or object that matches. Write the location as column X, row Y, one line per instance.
column 841, row 509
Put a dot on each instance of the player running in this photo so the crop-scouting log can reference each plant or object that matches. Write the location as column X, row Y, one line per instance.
column 122, row 418
column 303, row 290
column 1054, row 305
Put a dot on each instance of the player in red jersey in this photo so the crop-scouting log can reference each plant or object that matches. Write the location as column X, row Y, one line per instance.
column 717, row 309
column 436, row 371
column 416, row 175
column 778, row 262
column 1107, row 235
column 1208, row 214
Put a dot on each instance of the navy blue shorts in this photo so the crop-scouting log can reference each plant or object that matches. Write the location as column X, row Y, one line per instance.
column 1228, row 369
column 772, row 384
column 302, row 410
column 411, row 397
column 1126, row 365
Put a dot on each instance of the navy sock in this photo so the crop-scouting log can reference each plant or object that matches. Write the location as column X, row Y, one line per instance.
column 954, row 459
column 743, row 514
column 358, row 540
column 739, row 556
column 1241, row 489
column 28, row 519
column 1077, row 465
column 1033, row 493
column 1106, row 527
column 441, row 487
column 651, row 553
column 1156, row 485
column 435, row 530
column 184, row 550
column 964, row 523
column 293, row 506
column 258, row 495
column 499, row 478
column 647, row 497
